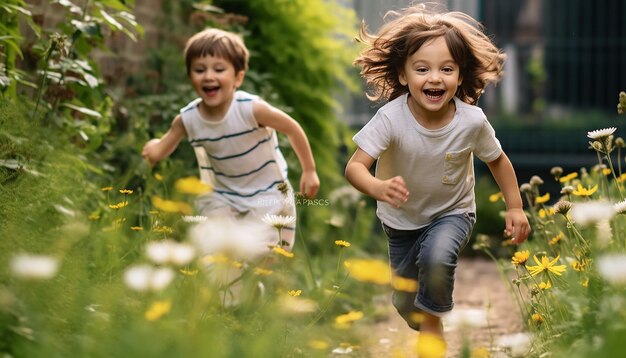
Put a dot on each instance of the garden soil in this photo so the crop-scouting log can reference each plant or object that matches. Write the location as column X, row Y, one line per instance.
column 479, row 285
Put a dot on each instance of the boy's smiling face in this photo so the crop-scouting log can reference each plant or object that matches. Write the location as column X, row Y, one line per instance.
column 214, row 79
column 432, row 77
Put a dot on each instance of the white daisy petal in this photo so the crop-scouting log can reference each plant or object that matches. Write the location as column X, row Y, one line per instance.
column 601, row 133
column 38, row 267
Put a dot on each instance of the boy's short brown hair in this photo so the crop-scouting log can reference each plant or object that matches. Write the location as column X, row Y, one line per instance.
column 220, row 43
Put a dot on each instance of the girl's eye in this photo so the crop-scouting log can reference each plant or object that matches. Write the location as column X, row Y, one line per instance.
column 448, row 69
column 219, row 70
column 421, row 70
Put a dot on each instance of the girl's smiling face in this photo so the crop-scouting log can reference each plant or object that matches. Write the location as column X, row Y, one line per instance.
column 432, row 76
column 214, row 79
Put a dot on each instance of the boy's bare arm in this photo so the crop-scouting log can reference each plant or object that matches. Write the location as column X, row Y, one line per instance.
column 517, row 225
column 392, row 191
column 157, row 149
column 269, row 116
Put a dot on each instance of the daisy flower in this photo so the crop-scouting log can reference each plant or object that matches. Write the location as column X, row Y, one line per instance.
column 279, row 221
column 601, row 133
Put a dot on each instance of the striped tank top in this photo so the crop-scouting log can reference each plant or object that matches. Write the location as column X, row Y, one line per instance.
column 238, row 157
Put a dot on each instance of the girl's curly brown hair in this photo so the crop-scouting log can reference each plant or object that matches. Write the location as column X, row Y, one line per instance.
column 405, row 31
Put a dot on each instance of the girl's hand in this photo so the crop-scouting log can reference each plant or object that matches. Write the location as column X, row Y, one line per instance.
column 392, row 191
column 309, row 184
column 517, row 226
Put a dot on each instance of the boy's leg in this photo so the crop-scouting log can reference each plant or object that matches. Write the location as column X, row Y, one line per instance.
column 437, row 259
column 403, row 248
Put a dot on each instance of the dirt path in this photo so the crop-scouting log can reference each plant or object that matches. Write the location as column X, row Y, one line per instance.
column 478, row 286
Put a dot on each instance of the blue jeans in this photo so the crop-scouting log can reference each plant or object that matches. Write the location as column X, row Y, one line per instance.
column 428, row 255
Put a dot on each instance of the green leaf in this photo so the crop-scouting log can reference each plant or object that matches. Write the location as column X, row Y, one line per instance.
column 83, row 110
column 111, row 20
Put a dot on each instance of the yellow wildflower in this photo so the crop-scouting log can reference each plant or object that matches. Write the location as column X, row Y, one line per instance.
column 582, row 191
column 158, row 177
column 163, row 229
column 544, row 285
column 136, row 228
column 520, row 257
column 279, row 250
column 318, row 344
column 375, row 271
column 404, row 284
column 542, row 199
column 621, row 178
column 536, row 318
column 94, row 217
column 192, row 185
column 545, row 265
column 430, row 345
column 294, row 293
column 495, row 197
column 581, row 265
column 585, row 282
column 546, row 212
column 349, row 317
column 342, row 243
column 171, row 206
column 188, row 272
column 568, row 177
column 262, row 272
column 557, row 239
column 126, row 191
column 107, row 188
column 118, row 205
column 158, row 309
column 606, row 171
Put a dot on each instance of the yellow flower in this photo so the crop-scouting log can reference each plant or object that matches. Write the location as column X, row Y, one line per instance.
column 545, row 265
column 495, row 197
column 520, row 257
column 606, row 171
column 158, row 309
column 294, row 293
column 136, row 228
column 94, row 217
column 555, row 240
column 118, row 205
column 192, row 185
column 581, row 191
column 568, row 177
column 342, row 243
column 404, row 284
column 318, row 344
column 187, row 272
column 283, row 252
column 107, row 188
column 349, row 317
column 126, row 191
column 163, row 229
column 546, row 212
column 375, row 271
column 170, row 206
column 542, row 199
column 621, row 178
column 430, row 345
column 581, row 265
column 585, row 283
column 536, row 318
column 158, row 177
column 544, row 285
column 262, row 272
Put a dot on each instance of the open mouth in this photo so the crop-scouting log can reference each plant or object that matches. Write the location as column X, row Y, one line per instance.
column 434, row 94
column 210, row 90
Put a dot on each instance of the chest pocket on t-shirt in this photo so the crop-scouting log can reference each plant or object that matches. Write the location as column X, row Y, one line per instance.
column 455, row 165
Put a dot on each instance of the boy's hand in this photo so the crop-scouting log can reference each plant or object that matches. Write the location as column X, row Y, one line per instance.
column 392, row 191
column 309, row 184
column 146, row 152
column 517, row 226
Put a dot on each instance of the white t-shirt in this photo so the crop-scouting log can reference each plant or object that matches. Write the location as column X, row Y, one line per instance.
column 437, row 165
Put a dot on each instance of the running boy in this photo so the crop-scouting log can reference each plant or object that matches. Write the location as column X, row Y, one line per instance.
column 234, row 135
column 431, row 68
